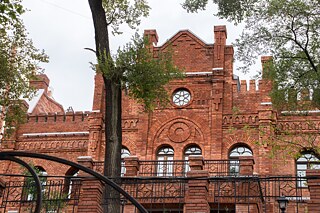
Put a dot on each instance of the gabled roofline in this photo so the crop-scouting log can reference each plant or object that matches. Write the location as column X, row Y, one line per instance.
column 178, row 34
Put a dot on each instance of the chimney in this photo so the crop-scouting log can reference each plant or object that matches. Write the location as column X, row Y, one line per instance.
column 220, row 34
column 264, row 62
column 152, row 36
column 40, row 82
column 220, row 37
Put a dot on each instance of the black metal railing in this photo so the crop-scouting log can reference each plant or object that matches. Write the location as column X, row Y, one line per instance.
column 257, row 187
column 178, row 168
column 98, row 167
column 158, row 192
column 163, row 168
column 220, row 168
column 57, row 195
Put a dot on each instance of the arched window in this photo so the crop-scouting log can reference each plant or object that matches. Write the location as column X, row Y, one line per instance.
column 191, row 150
column 72, row 183
column 124, row 153
column 234, row 155
column 30, row 186
column 165, row 161
column 308, row 160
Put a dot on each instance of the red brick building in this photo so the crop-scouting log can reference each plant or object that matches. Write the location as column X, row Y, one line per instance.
column 209, row 146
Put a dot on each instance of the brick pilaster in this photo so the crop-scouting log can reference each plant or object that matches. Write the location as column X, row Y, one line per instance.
column 196, row 162
column 246, row 165
column 95, row 135
column 91, row 190
column 132, row 166
column 197, row 193
column 314, row 189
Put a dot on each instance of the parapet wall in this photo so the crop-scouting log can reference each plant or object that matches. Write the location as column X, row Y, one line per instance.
column 251, row 94
column 56, row 122
column 58, row 117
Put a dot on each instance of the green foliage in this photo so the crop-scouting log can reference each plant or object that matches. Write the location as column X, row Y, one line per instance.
column 232, row 10
column 288, row 144
column 52, row 199
column 143, row 76
column 19, row 62
column 10, row 10
column 290, row 32
column 125, row 11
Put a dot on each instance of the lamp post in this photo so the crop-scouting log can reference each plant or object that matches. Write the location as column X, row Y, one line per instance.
column 283, row 202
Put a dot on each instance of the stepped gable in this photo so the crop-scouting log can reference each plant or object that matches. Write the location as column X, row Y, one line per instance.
column 189, row 52
column 43, row 102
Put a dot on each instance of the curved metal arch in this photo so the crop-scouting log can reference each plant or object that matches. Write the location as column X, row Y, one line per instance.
column 33, row 174
column 109, row 182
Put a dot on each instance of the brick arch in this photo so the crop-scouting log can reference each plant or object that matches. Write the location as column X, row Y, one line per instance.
column 238, row 145
column 164, row 131
column 239, row 138
column 161, row 121
column 193, row 144
column 163, row 145
column 71, row 171
column 130, row 145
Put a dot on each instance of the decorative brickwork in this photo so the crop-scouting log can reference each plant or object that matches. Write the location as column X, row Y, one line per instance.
column 219, row 114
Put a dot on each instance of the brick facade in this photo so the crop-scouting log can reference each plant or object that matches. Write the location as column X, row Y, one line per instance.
column 216, row 120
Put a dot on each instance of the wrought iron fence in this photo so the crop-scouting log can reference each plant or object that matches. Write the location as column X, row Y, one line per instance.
column 178, row 168
column 98, row 167
column 219, row 168
column 157, row 190
column 57, row 195
column 164, row 168
column 159, row 193
column 263, row 188
column 259, row 190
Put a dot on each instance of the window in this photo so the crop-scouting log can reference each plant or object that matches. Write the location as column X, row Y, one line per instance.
column 72, row 183
column 307, row 161
column 124, row 153
column 30, row 189
column 181, row 97
column 192, row 150
column 234, row 155
column 165, row 161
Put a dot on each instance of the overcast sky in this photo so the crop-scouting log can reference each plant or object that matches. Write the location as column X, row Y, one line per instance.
column 63, row 28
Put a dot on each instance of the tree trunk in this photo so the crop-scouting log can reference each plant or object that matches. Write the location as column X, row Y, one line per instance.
column 113, row 131
column 112, row 166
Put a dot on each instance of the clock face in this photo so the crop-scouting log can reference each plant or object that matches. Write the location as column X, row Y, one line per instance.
column 181, row 97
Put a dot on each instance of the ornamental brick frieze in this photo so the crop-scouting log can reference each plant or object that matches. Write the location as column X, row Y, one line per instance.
column 251, row 119
column 45, row 146
column 298, row 125
column 130, row 124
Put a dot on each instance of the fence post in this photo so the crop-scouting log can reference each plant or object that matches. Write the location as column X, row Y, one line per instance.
column 196, row 162
column 246, row 165
column 197, row 193
column 131, row 164
column 91, row 190
column 314, row 189
column 197, row 190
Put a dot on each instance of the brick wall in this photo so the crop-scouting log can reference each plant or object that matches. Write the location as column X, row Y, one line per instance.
column 218, row 117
